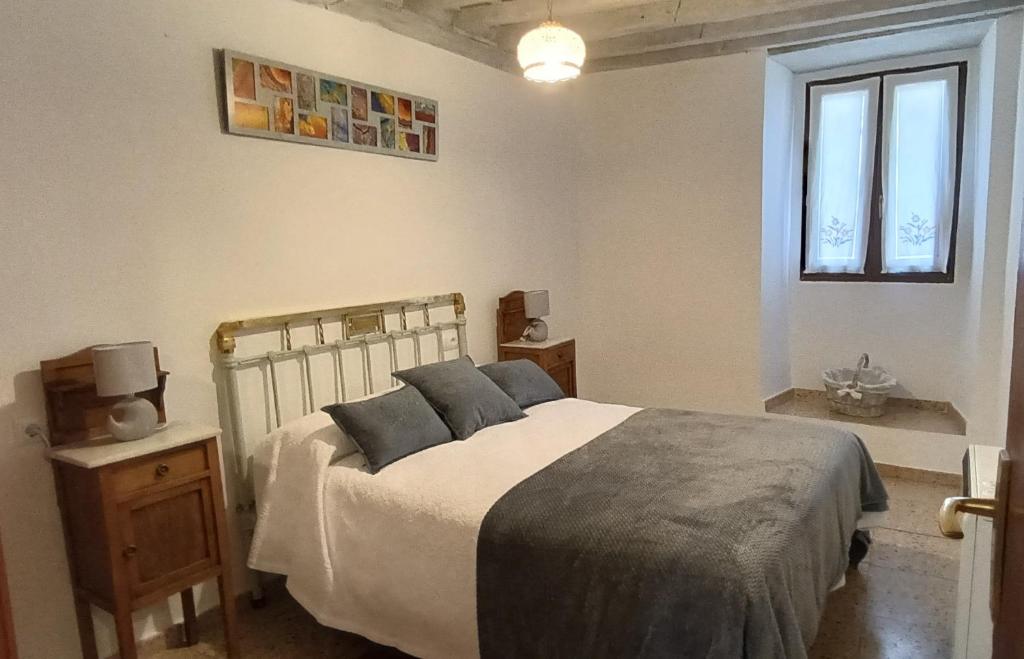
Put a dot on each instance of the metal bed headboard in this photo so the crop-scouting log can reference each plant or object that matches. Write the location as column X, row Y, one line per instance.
column 301, row 338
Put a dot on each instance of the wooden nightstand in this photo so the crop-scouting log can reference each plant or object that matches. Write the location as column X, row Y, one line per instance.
column 556, row 356
column 144, row 520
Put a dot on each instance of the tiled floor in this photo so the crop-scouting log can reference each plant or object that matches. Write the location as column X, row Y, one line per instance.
column 898, row 604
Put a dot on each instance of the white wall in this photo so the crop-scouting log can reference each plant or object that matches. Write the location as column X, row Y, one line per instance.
column 669, row 189
column 776, row 369
column 128, row 214
column 987, row 341
column 913, row 330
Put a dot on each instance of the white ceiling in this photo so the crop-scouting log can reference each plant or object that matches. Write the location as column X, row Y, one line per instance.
column 632, row 33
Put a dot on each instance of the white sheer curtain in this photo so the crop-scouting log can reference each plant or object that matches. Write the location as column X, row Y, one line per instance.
column 840, row 167
column 918, row 169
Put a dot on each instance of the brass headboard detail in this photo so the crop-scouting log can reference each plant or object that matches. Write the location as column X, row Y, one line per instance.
column 227, row 331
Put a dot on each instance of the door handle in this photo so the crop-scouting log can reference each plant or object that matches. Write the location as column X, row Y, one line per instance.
column 994, row 509
column 949, row 521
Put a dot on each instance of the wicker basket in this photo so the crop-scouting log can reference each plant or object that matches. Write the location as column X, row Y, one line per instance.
column 860, row 391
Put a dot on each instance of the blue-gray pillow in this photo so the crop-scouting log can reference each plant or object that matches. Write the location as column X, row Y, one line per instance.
column 465, row 398
column 525, row 382
column 388, row 428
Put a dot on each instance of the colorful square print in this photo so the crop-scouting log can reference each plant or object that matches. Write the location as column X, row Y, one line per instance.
column 284, row 115
column 339, row 124
column 430, row 140
column 426, row 111
column 364, row 134
column 387, row 133
column 313, row 125
column 333, row 92
column 383, row 103
column 359, row 108
column 252, row 116
column 275, row 78
column 243, row 78
column 306, row 92
column 409, row 142
column 404, row 113
column 268, row 99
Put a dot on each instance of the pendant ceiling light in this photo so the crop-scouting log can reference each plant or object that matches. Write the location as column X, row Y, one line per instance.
column 551, row 52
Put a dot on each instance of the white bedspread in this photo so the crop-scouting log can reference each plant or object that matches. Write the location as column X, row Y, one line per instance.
column 392, row 556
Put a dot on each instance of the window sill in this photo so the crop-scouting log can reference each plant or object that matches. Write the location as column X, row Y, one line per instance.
column 903, row 413
column 904, row 278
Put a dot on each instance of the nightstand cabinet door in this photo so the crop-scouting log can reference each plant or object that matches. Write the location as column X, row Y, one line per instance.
column 168, row 536
column 565, row 375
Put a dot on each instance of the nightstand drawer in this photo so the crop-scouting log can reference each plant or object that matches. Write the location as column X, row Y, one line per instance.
column 562, row 354
column 160, row 468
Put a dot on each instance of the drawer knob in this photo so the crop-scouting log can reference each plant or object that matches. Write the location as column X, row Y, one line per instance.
column 129, row 551
column 162, row 469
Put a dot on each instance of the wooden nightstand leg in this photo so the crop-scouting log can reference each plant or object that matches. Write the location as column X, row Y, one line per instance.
column 227, row 608
column 86, row 633
column 188, row 610
column 125, row 633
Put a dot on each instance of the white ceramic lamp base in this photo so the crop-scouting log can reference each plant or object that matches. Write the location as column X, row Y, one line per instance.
column 132, row 418
column 537, row 331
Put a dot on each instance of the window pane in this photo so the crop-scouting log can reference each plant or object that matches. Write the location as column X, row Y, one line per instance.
column 842, row 155
column 919, row 171
column 842, row 121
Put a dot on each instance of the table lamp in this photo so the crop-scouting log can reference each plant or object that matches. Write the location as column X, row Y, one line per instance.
column 124, row 369
column 537, row 305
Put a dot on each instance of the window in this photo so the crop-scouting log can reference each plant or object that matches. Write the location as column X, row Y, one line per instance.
column 882, row 159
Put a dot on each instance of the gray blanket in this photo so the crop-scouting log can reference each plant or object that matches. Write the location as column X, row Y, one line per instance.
column 674, row 534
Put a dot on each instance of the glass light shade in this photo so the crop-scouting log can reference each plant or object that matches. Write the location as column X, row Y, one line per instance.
column 551, row 53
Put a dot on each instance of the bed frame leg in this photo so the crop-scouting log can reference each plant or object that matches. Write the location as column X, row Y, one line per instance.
column 859, row 545
column 257, row 596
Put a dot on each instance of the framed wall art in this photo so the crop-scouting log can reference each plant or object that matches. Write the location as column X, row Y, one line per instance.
column 278, row 101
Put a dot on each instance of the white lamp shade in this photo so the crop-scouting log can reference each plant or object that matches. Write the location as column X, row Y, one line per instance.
column 537, row 304
column 551, row 53
column 123, row 369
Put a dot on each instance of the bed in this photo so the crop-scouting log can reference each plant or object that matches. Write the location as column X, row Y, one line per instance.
column 584, row 529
